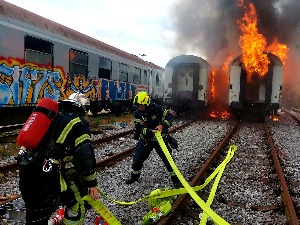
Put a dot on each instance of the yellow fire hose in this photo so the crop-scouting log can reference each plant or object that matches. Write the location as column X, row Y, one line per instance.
column 208, row 212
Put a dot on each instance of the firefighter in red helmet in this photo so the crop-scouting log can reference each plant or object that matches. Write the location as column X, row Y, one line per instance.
column 148, row 119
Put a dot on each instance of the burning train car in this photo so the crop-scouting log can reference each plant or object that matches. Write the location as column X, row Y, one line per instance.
column 253, row 94
column 186, row 83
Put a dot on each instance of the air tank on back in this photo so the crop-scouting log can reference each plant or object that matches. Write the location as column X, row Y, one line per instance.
column 259, row 96
column 186, row 84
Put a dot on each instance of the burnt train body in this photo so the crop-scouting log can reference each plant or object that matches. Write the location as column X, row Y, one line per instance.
column 258, row 96
column 186, row 84
column 40, row 58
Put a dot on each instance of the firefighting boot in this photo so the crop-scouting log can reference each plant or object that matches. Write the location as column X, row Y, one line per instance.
column 176, row 182
column 133, row 177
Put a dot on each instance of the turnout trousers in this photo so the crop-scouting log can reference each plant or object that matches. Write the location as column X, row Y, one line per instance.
column 143, row 151
column 39, row 191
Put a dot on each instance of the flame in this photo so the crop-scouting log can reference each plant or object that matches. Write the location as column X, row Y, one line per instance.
column 226, row 63
column 279, row 50
column 223, row 115
column 213, row 114
column 253, row 45
column 274, row 118
column 214, row 93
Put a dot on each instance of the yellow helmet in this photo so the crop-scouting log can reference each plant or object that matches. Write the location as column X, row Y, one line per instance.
column 141, row 98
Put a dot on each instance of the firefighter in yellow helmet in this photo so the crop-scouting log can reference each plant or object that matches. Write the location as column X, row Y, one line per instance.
column 148, row 119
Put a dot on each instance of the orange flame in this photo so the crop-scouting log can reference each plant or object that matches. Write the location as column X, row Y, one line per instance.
column 223, row 115
column 253, row 44
column 279, row 50
column 214, row 93
column 274, row 118
column 213, row 114
column 226, row 63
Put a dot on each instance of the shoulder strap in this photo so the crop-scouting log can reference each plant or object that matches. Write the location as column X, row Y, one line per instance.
column 48, row 112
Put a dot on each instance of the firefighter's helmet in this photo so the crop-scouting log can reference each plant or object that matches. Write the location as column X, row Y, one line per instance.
column 76, row 102
column 141, row 98
column 79, row 99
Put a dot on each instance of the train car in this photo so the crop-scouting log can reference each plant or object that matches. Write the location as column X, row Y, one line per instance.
column 257, row 97
column 40, row 58
column 187, row 83
column 156, row 84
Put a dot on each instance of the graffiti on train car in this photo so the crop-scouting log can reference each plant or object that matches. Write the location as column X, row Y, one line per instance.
column 115, row 90
column 100, row 89
column 82, row 84
column 24, row 84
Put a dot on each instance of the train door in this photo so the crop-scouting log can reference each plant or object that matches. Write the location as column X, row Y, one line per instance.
column 185, row 80
column 257, row 88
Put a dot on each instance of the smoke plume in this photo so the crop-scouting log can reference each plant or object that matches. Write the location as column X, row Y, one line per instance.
column 209, row 29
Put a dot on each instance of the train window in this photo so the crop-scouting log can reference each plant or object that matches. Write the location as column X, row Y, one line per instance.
column 136, row 75
column 38, row 51
column 78, row 62
column 105, row 66
column 157, row 80
column 145, row 77
column 123, row 72
column 230, row 86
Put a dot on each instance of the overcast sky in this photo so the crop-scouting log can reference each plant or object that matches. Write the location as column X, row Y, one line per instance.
column 135, row 26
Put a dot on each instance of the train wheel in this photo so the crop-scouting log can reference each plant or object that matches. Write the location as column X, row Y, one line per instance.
column 116, row 108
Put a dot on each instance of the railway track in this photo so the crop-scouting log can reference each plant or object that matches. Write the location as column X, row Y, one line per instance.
column 227, row 204
column 101, row 163
column 253, row 185
column 110, row 160
column 13, row 166
column 10, row 127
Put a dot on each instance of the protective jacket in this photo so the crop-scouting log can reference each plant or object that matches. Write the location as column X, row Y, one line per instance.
column 73, row 138
column 147, row 120
column 69, row 155
column 78, row 165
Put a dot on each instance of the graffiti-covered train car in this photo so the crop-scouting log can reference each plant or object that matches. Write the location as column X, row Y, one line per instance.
column 41, row 58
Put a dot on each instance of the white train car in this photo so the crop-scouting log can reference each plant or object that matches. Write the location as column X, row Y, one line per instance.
column 156, row 84
column 40, row 58
column 187, row 83
column 260, row 97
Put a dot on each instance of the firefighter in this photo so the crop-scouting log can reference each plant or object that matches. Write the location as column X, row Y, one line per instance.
column 72, row 164
column 148, row 119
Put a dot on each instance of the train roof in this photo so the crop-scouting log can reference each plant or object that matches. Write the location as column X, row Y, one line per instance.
column 10, row 12
column 187, row 59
